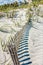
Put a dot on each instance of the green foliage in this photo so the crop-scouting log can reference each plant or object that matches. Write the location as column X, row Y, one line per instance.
column 41, row 2
column 37, row 2
column 15, row 5
column 7, row 7
column 25, row 2
column 23, row 6
column 12, row 6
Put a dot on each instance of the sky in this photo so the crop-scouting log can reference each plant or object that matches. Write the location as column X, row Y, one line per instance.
column 8, row 1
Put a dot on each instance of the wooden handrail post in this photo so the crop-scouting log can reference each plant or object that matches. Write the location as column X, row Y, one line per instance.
column 13, row 53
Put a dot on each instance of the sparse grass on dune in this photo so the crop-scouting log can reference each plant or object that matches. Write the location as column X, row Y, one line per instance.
column 14, row 6
column 6, row 8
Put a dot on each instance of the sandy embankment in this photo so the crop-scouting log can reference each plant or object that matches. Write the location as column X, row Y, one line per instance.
column 36, row 40
column 8, row 29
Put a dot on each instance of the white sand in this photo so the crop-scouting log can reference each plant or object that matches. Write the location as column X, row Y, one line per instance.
column 11, row 27
column 36, row 42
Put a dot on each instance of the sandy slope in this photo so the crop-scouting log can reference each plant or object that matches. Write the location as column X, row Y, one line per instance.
column 36, row 41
